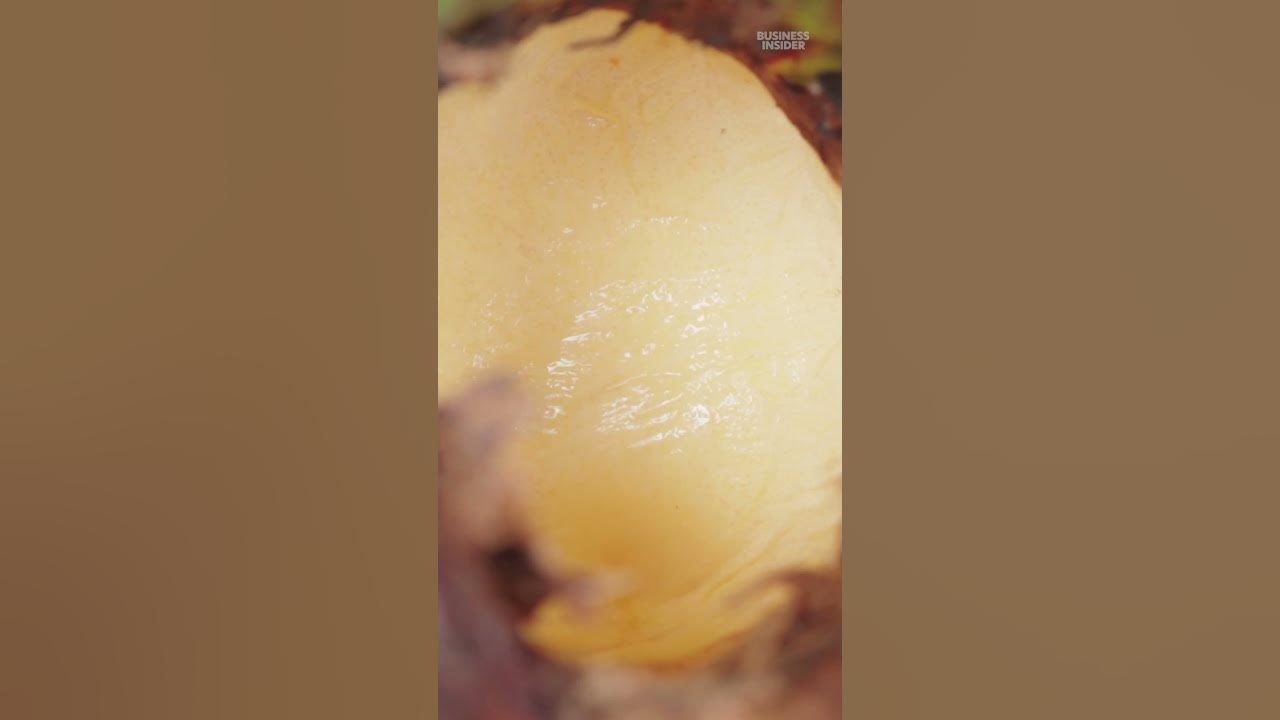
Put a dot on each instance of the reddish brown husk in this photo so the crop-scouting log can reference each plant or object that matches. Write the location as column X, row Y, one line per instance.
column 492, row 574
column 477, row 50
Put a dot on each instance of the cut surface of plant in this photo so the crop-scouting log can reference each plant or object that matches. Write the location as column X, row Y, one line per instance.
column 637, row 233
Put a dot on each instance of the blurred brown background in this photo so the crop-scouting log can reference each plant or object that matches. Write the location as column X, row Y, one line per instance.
column 1063, row 464
column 215, row 384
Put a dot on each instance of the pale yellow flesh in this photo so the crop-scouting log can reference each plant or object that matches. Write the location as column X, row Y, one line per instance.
column 642, row 236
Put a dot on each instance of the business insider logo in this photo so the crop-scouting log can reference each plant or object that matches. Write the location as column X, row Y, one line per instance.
column 782, row 39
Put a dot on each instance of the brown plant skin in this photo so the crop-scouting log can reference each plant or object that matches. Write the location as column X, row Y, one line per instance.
column 487, row 583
